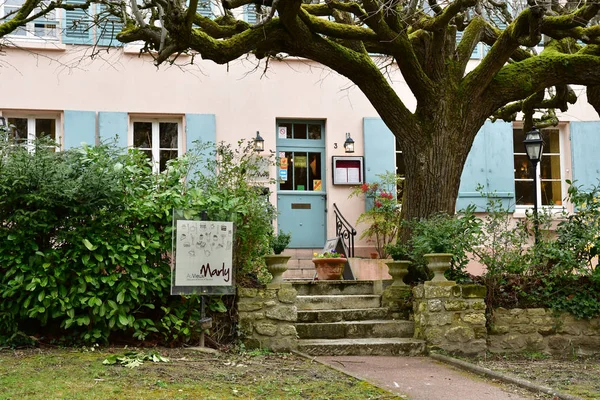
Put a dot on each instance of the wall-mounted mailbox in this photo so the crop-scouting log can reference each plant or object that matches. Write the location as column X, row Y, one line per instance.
column 347, row 170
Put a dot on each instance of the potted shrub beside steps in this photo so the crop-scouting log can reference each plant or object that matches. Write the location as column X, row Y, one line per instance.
column 276, row 262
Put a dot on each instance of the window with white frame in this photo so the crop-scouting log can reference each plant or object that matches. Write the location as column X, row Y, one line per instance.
column 161, row 140
column 25, row 129
column 46, row 27
column 550, row 188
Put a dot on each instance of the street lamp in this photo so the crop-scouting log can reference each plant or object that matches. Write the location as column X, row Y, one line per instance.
column 534, row 146
column 3, row 126
column 349, row 144
column 259, row 143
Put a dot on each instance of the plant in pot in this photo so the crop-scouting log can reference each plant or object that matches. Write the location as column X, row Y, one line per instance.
column 276, row 262
column 398, row 267
column 329, row 265
column 442, row 242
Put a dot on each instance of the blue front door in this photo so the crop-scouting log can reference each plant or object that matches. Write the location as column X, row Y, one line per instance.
column 301, row 196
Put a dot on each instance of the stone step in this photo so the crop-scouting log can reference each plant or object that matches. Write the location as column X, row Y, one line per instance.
column 362, row 347
column 337, row 287
column 358, row 314
column 338, row 302
column 356, row 329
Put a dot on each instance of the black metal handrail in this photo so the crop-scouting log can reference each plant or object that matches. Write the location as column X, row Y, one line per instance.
column 344, row 230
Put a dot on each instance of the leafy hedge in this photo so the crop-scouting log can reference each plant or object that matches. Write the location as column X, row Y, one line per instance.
column 85, row 237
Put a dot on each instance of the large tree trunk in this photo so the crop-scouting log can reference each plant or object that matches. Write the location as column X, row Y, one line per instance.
column 433, row 169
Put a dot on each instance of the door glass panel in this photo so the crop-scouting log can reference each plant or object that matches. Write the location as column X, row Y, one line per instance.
column 299, row 131
column 314, row 131
column 168, row 135
column 518, row 137
column 142, row 135
column 300, row 163
column 314, row 172
column 287, row 183
column 551, row 141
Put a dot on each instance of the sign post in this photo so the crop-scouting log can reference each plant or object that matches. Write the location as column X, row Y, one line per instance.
column 202, row 260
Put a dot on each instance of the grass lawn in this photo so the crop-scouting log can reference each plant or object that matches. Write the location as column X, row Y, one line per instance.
column 189, row 374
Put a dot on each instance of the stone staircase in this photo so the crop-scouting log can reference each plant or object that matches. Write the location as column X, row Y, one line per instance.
column 346, row 318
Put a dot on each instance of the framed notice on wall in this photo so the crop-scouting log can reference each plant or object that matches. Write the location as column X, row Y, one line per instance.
column 203, row 255
column 347, row 170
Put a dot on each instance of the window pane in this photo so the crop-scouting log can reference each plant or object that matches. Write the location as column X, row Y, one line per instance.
column 148, row 154
column 551, row 141
column 288, row 130
column 45, row 128
column 299, row 131
column 166, row 155
column 314, row 131
column 551, row 193
column 314, row 172
column 300, row 171
column 518, row 137
column 19, row 129
column 142, row 135
column 550, row 167
column 287, row 184
column 168, row 135
column 524, row 192
column 522, row 167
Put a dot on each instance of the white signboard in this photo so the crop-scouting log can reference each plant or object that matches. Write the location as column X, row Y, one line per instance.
column 203, row 255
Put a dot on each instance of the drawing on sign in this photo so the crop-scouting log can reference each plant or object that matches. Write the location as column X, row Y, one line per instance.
column 283, row 174
column 204, row 252
column 282, row 132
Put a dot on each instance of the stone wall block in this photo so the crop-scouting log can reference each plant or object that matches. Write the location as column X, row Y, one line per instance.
column 570, row 328
column 434, row 290
column 460, row 334
column 438, row 319
column 245, row 306
column 474, row 318
column 257, row 315
column 434, row 335
column 473, row 291
column 478, row 305
column 287, row 295
column 457, row 291
column 497, row 329
column 455, row 305
column 270, row 303
column 287, row 330
column 247, row 292
column 559, row 344
column 265, row 328
column 480, row 332
column 434, row 305
column 418, row 292
column 538, row 312
column 246, row 326
column 282, row 313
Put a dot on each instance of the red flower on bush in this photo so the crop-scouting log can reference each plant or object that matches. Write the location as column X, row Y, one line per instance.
column 364, row 187
column 378, row 204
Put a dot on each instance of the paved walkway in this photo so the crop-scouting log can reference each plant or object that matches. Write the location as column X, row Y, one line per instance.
column 421, row 378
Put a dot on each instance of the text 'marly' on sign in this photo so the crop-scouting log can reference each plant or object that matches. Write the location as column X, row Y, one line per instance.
column 203, row 257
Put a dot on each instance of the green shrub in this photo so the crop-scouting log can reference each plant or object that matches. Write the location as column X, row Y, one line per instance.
column 85, row 240
column 279, row 242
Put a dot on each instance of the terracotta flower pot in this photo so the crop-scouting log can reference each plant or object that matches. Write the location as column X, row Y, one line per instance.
column 438, row 263
column 329, row 269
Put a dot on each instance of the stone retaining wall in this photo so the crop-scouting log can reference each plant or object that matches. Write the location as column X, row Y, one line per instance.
column 538, row 329
column 267, row 318
column 451, row 317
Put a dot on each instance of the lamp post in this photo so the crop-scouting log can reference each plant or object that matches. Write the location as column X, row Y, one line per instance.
column 259, row 143
column 534, row 146
column 349, row 144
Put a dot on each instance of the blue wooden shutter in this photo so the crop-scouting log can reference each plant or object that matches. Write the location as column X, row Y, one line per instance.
column 80, row 127
column 380, row 150
column 113, row 126
column 107, row 27
column 201, row 128
column 585, row 143
column 250, row 14
column 77, row 26
column 490, row 164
